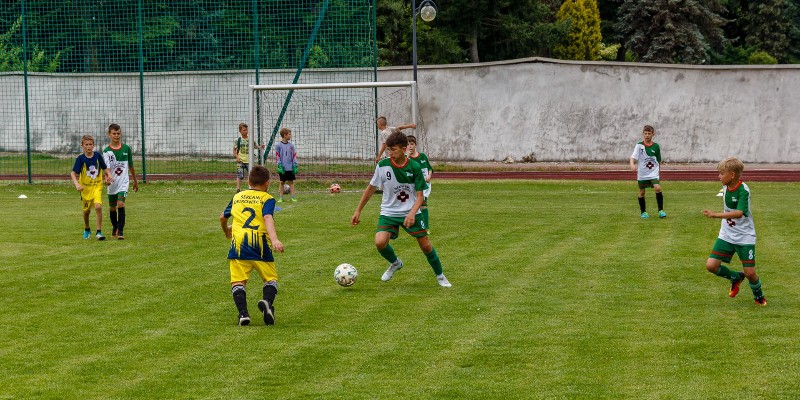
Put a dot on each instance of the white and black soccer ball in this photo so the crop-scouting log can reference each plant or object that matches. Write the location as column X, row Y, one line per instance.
column 286, row 188
column 345, row 274
column 335, row 188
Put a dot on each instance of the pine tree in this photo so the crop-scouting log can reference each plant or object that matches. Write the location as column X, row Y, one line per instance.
column 584, row 37
column 672, row 31
column 767, row 27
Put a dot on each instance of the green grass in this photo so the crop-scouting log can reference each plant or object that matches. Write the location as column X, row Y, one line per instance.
column 560, row 291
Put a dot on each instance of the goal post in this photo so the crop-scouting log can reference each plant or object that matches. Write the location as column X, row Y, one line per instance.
column 333, row 124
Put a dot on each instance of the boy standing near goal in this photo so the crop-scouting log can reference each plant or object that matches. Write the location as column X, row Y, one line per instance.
column 427, row 173
column 647, row 154
column 286, row 157
column 118, row 157
column 403, row 184
column 385, row 131
column 737, row 233
column 88, row 174
column 253, row 239
column 241, row 152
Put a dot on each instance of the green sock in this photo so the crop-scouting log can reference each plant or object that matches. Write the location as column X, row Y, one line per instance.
column 433, row 260
column 727, row 273
column 388, row 253
column 756, row 288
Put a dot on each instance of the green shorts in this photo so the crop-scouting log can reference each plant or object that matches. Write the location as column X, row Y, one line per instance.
column 393, row 224
column 648, row 183
column 113, row 198
column 724, row 251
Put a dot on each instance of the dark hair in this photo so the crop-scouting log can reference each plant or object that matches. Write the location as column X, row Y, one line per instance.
column 648, row 128
column 397, row 138
column 242, row 125
column 113, row 127
column 412, row 139
column 259, row 175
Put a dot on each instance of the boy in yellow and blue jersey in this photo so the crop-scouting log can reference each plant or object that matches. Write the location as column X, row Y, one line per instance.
column 403, row 183
column 253, row 239
column 88, row 175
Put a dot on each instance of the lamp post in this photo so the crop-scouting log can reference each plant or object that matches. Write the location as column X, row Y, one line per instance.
column 427, row 10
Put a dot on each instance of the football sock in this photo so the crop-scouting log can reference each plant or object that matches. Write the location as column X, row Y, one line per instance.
column 240, row 298
column 727, row 273
column 756, row 288
column 388, row 253
column 87, row 230
column 270, row 291
column 114, row 219
column 641, row 204
column 660, row 200
column 433, row 260
column 121, row 218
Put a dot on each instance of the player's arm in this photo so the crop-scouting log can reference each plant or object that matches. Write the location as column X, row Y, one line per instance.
column 77, row 184
column 223, row 222
column 633, row 164
column 236, row 154
column 368, row 192
column 269, row 224
column 383, row 149
column 724, row 215
column 412, row 214
column 407, row 126
column 133, row 176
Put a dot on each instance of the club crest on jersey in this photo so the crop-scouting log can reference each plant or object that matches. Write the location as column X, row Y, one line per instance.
column 91, row 172
column 401, row 193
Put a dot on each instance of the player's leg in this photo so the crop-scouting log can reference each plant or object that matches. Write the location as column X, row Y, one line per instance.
column 747, row 254
column 240, row 271
column 388, row 228
column 291, row 187
column 280, row 189
column 424, row 242
column 121, row 214
column 86, row 207
column 723, row 252
column 112, row 213
column 269, row 275
column 98, row 211
column 642, row 202
column 659, row 199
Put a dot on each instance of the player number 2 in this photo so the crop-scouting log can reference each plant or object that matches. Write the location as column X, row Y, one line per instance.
column 250, row 219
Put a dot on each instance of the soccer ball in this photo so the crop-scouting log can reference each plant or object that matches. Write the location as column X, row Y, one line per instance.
column 286, row 188
column 345, row 275
column 335, row 188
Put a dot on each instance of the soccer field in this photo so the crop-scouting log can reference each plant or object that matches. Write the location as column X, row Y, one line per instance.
column 559, row 290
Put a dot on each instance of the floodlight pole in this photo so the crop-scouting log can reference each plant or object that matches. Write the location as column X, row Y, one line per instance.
column 414, row 13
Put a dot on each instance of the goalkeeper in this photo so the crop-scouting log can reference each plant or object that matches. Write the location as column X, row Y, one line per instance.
column 286, row 158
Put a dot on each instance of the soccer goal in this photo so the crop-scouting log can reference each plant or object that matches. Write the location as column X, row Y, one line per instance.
column 332, row 124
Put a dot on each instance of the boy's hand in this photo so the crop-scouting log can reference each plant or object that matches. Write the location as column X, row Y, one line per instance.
column 228, row 232
column 78, row 187
column 709, row 213
column 135, row 186
column 277, row 245
column 355, row 219
column 409, row 220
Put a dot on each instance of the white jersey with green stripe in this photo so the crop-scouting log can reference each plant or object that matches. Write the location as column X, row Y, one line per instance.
column 648, row 159
column 119, row 162
column 400, row 185
column 740, row 230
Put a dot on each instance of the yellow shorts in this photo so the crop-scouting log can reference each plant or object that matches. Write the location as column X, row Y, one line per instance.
column 91, row 195
column 240, row 270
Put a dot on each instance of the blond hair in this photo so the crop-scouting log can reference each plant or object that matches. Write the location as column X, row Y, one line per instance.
column 731, row 164
column 87, row 137
column 284, row 132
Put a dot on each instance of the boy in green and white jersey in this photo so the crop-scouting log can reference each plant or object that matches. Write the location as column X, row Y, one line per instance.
column 646, row 160
column 737, row 233
column 427, row 173
column 119, row 159
column 403, row 183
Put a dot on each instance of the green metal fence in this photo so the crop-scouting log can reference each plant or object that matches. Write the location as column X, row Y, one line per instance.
column 173, row 74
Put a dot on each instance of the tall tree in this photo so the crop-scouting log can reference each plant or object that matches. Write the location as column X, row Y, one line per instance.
column 583, row 40
column 672, row 31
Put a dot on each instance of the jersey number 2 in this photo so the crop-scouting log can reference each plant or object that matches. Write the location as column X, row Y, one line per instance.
column 249, row 220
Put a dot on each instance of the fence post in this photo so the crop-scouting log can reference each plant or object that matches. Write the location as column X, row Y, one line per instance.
column 256, row 129
column 25, row 78
column 141, row 90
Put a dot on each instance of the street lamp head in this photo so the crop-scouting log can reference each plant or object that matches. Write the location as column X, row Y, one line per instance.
column 428, row 12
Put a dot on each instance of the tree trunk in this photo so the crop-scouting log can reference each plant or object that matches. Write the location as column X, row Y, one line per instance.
column 473, row 45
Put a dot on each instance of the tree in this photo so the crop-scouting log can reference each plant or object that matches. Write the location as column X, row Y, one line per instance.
column 672, row 31
column 11, row 56
column 584, row 37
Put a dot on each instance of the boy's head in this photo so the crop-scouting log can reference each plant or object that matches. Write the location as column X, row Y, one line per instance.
column 648, row 132
column 731, row 164
column 285, row 133
column 243, row 129
column 411, row 139
column 259, row 176
column 87, row 143
column 114, row 132
column 381, row 121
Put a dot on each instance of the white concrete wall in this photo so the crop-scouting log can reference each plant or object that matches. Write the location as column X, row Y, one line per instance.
column 555, row 111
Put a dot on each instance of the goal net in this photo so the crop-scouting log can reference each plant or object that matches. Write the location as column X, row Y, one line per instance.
column 333, row 124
